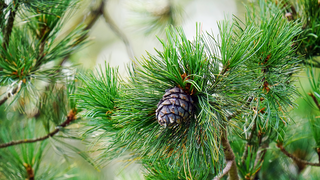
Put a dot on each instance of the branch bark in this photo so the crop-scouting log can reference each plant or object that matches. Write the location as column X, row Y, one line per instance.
column 12, row 93
column 70, row 117
column 315, row 100
column 225, row 170
column 284, row 151
column 229, row 155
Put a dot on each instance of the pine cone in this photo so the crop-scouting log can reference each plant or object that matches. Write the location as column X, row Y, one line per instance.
column 174, row 108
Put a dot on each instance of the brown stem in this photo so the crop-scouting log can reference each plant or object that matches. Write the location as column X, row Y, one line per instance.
column 96, row 13
column 4, row 99
column 118, row 31
column 315, row 100
column 70, row 117
column 318, row 152
column 29, row 170
column 284, row 151
column 9, row 26
column 225, row 170
column 229, row 155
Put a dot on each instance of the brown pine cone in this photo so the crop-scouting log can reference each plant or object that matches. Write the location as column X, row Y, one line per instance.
column 174, row 108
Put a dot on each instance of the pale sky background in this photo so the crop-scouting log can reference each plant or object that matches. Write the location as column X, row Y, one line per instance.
column 106, row 46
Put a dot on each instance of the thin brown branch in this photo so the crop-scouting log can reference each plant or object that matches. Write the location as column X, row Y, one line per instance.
column 314, row 100
column 318, row 152
column 229, row 155
column 4, row 99
column 284, row 151
column 9, row 26
column 70, row 117
column 225, row 170
column 95, row 14
column 118, row 32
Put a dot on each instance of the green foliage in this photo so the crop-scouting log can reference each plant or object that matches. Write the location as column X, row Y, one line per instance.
column 35, row 42
column 31, row 53
column 306, row 12
column 313, row 101
column 309, row 13
column 97, row 98
column 241, row 82
column 251, row 60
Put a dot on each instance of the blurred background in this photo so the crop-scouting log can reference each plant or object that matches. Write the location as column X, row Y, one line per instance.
column 136, row 20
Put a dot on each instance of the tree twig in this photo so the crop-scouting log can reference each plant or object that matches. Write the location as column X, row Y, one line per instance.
column 96, row 13
column 225, row 170
column 318, row 152
column 229, row 155
column 284, row 151
column 315, row 100
column 70, row 117
column 118, row 31
column 12, row 93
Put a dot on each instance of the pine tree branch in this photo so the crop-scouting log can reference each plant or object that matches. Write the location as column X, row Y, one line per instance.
column 11, row 93
column 96, row 13
column 4, row 99
column 229, row 155
column 118, row 32
column 315, row 100
column 284, row 151
column 70, row 117
column 225, row 170
column 9, row 26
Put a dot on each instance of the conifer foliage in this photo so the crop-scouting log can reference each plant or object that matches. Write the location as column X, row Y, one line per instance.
column 202, row 108
column 35, row 90
column 239, row 81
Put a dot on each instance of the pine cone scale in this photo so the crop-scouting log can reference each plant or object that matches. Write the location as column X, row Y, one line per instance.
column 174, row 108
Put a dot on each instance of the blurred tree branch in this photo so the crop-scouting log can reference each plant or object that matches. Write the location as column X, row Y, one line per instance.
column 284, row 151
column 118, row 32
column 71, row 117
column 95, row 14
column 225, row 170
column 315, row 100
column 5, row 98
